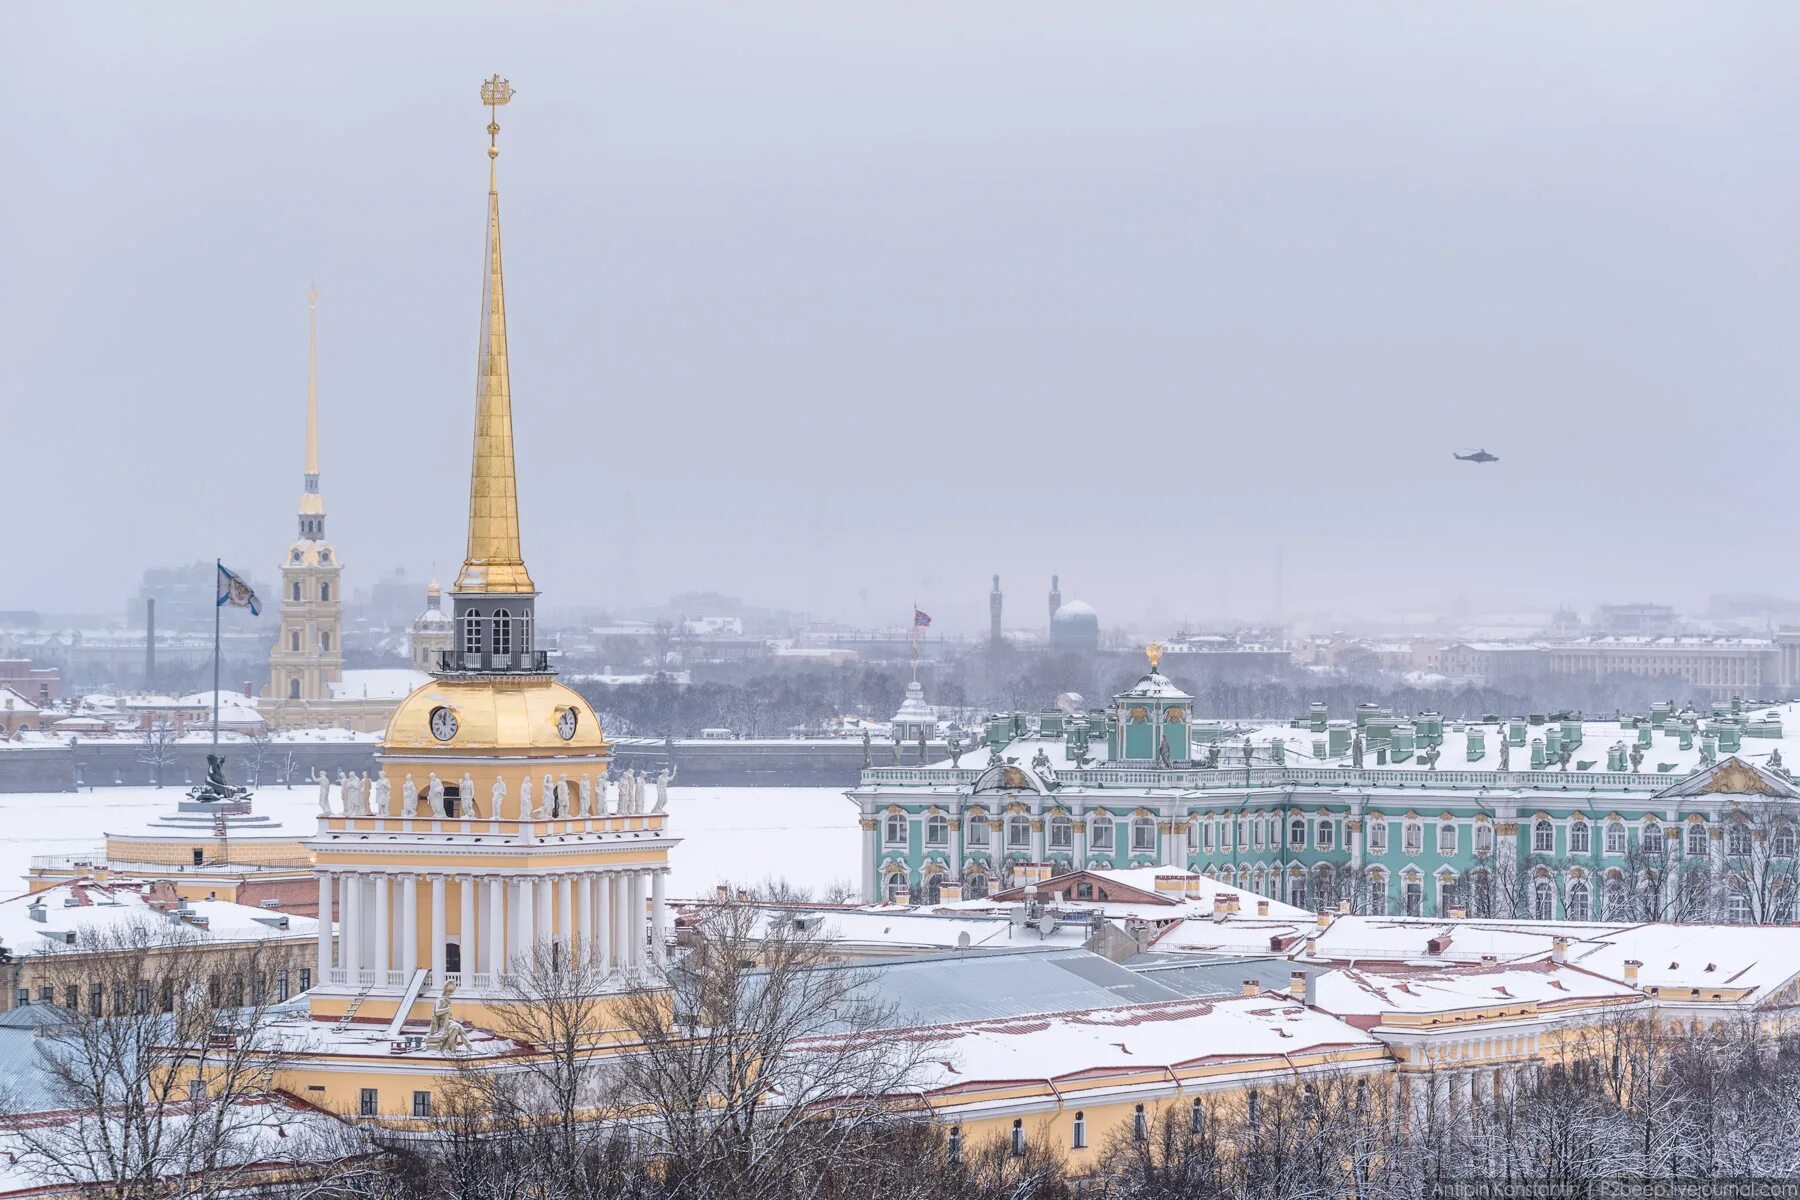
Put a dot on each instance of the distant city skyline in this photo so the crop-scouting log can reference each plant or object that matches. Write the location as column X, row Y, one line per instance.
column 852, row 310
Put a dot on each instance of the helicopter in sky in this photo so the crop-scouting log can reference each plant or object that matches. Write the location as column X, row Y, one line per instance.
column 1475, row 456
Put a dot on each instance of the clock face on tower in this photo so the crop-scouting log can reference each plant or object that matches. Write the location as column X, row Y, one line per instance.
column 565, row 724
column 443, row 724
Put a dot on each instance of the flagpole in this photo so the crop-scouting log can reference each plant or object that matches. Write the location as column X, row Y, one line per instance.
column 218, row 569
column 915, row 633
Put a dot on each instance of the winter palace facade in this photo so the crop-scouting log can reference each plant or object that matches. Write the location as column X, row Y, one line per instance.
column 1653, row 817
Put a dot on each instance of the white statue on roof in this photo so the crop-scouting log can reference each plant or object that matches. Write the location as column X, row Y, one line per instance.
column 525, row 798
column 434, row 796
column 662, row 789
column 409, row 803
column 384, row 794
column 586, row 786
column 497, row 797
column 324, row 782
column 549, row 806
column 465, row 791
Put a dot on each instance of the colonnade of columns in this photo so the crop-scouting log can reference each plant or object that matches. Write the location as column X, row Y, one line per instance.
column 618, row 915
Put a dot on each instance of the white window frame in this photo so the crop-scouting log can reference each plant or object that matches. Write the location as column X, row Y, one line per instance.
column 888, row 826
column 1543, row 831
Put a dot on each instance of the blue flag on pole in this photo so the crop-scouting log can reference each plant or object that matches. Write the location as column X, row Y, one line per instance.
column 921, row 618
column 235, row 592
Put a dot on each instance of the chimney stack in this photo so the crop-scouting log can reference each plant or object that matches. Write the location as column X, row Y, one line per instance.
column 1262, row 908
column 1343, row 907
column 1559, row 949
column 1252, row 988
column 1631, row 971
column 1324, row 918
column 1297, row 985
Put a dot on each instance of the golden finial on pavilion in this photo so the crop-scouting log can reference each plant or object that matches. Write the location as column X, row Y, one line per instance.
column 495, row 91
column 1154, row 653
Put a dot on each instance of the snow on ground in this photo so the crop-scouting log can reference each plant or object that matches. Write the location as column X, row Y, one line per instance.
column 808, row 836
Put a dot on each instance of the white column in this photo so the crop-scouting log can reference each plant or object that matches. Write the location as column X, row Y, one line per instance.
column 546, row 914
column 659, row 916
column 438, row 936
column 324, row 928
column 352, row 926
column 584, row 915
column 1078, row 839
column 1037, row 837
column 525, row 935
column 956, row 845
column 409, row 925
column 871, row 886
column 465, row 930
column 565, row 912
column 637, row 921
column 603, row 942
column 621, row 907
column 494, row 949
column 384, row 937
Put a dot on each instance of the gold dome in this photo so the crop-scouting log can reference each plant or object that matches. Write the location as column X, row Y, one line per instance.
column 509, row 717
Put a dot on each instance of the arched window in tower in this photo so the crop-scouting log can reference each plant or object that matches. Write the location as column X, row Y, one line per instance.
column 296, row 589
column 325, row 640
column 294, row 640
column 525, row 632
column 502, row 632
column 293, row 689
column 325, row 591
column 472, row 632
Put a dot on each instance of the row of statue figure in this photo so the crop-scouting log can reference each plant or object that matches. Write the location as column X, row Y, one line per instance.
column 360, row 796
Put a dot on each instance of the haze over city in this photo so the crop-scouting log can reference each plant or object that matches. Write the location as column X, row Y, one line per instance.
column 839, row 309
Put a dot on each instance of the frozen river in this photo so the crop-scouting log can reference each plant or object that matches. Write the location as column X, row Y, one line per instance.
column 807, row 836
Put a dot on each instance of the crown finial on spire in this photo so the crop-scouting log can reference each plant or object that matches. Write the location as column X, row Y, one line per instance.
column 1154, row 653
column 494, row 563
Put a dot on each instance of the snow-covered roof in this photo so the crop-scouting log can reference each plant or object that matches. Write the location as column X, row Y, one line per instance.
column 13, row 701
column 892, row 927
column 1424, row 989
column 386, row 683
column 84, row 908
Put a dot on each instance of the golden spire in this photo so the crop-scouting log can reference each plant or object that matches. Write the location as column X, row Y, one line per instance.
column 1154, row 653
column 494, row 562
column 312, row 504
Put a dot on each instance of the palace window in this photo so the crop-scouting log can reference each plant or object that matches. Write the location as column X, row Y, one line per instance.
column 1206, row 837
column 1481, row 894
column 1197, row 1117
column 937, row 830
column 1062, row 833
column 975, row 886
column 502, row 632
column 931, row 887
column 1414, row 837
column 325, row 591
column 1140, row 1125
column 896, row 829
column 1326, row 833
column 525, row 632
column 1378, row 836
column 1100, row 835
column 1449, row 895
column 296, row 589
column 1297, row 888
column 1737, row 839
column 471, row 632
column 1484, row 840
column 1737, row 908
column 1447, row 839
column 1696, row 840
column 1576, row 907
column 1143, row 834
column 1415, row 897
column 1378, row 893
column 294, row 640
column 954, row 1148
column 1018, row 832
column 421, row 1104
column 1615, row 899
column 325, row 640
column 1297, row 832
column 1543, row 901
column 1543, row 837
column 1615, row 837
column 1784, row 839
column 1017, row 1145
column 1578, row 838
column 1078, row 1138
column 368, row 1103
column 896, row 883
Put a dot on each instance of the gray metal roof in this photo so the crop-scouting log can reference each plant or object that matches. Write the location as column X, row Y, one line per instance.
column 988, row 985
column 1212, row 975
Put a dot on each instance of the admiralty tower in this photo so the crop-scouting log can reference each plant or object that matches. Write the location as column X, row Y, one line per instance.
column 487, row 836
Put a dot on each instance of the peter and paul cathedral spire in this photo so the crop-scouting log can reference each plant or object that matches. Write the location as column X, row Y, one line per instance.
column 312, row 504
column 494, row 596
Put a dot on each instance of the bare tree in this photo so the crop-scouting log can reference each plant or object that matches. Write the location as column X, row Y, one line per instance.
column 161, row 1067
column 1761, row 870
column 158, row 740
column 763, row 1062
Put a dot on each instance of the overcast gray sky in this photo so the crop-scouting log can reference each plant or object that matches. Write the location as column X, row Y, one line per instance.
column 860, row 304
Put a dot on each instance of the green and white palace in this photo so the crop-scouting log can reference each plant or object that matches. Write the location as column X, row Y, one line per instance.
column 1675, row 814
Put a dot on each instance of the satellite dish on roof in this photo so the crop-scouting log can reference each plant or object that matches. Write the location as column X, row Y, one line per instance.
column 1046, row 924
column 962, row 940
